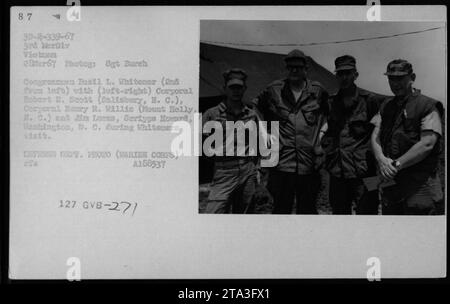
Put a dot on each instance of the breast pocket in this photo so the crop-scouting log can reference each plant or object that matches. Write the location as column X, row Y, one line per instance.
column 311, row 113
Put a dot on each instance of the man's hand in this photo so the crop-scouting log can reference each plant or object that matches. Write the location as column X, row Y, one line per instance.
column 387, row 169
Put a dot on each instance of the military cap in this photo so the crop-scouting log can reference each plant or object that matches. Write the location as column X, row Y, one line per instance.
column 399, row 67
column 235, row 76
column 345, row 62
column 295, row 54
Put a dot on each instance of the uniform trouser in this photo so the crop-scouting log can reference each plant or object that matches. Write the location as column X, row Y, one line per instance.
column 344, row 191
column 232, row 188
column 427, row 199
column 284, row 186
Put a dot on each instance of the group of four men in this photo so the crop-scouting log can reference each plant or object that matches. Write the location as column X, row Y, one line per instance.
column 354, row 135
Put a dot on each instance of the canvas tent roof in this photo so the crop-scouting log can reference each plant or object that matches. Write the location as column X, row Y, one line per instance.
column 262, row 68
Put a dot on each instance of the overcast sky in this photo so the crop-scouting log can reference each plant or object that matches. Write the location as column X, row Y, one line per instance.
column 426, row 51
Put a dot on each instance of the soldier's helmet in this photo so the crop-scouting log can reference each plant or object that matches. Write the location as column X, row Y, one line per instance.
column 399, row 67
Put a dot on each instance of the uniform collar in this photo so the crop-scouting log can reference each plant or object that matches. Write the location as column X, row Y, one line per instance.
column 355, row 98
column 307, row 86
column 357, row 92
column 289, row 96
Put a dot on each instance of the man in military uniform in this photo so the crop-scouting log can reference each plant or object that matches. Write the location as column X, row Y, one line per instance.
column 346, row 142
column 300, row 105
column 234, row 178
column 406, row 145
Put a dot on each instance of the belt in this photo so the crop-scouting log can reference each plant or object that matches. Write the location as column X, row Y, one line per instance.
column 232, row 162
